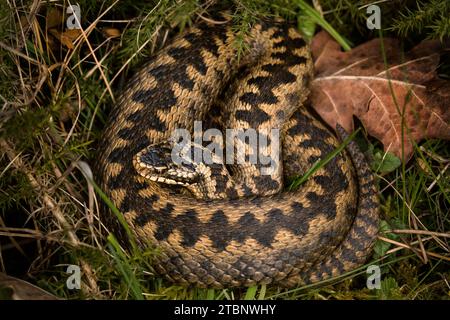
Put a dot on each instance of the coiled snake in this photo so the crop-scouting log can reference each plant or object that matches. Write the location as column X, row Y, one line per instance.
column 249, row 232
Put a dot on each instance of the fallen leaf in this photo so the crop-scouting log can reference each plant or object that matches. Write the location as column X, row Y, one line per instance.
column 16, row 289
column 111, row 32
column 359, row 83
column 67, row 37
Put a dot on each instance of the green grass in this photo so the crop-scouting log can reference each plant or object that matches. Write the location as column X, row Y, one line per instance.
column 298, row 181
column 55, row 103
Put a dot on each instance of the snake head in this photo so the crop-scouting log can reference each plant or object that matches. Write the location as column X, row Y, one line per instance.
column 160, row 162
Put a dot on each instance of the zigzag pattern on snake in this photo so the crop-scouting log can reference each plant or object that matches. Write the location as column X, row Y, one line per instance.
column 324, row 228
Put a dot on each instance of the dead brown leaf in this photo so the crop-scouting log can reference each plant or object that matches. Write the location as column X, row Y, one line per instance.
column 111, row 32
column 17, row 289
column 359, row 83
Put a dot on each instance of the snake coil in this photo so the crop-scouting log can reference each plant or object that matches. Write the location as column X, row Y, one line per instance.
column 324, row 228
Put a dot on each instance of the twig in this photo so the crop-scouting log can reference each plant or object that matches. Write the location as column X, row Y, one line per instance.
column 426, row 232
column 436, row 255
column 411, row 243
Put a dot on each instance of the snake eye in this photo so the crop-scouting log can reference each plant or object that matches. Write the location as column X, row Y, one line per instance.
column 157, row 158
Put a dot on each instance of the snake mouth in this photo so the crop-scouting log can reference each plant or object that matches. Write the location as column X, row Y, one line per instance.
column 155, row 163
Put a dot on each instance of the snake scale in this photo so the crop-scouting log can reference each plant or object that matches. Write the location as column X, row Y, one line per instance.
column 261, row 234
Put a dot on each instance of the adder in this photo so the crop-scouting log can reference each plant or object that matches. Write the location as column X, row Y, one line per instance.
column 235, row 226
